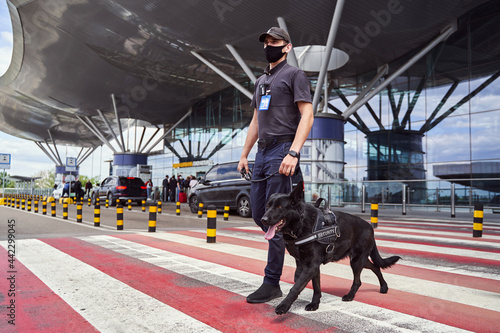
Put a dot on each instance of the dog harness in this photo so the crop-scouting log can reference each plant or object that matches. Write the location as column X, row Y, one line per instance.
column 326, row 231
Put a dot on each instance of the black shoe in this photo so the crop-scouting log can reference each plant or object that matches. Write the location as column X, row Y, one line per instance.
column 265, row 293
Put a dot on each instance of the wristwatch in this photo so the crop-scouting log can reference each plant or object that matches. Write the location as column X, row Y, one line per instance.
column 293, row 153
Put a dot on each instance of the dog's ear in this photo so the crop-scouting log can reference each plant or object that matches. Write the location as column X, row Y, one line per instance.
column 298, row 193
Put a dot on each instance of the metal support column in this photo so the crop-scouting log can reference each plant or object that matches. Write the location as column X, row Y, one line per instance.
column 292, row 58
column 242, row 63
column 223, row 75
column 328, row 52
column 110, row 130
column 118, row 122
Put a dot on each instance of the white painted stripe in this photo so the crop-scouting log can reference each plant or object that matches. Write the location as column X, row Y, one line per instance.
column 483, row 299
column 108, row 304
column 349, row 316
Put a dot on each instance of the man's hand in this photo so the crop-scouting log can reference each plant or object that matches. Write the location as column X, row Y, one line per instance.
column 288, row 165
column 243, row 164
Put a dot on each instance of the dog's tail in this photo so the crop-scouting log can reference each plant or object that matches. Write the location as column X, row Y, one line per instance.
column 381, row 262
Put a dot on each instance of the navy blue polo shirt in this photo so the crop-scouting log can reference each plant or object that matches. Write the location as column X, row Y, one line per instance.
column 288, row 85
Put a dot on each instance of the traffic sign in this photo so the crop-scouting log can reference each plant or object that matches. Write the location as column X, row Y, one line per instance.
column 4, row 161
column 70, row 164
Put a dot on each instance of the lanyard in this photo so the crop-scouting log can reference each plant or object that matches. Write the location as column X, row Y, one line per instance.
column 268, row 91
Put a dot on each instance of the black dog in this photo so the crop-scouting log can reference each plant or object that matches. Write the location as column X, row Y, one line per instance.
column 297, row 220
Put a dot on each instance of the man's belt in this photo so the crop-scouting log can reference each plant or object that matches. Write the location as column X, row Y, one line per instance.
column 263, row 143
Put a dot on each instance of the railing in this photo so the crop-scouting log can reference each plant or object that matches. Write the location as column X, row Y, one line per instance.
column 34, row 191
column 422, row 194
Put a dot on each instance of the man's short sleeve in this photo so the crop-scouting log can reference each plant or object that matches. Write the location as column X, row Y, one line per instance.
column 301, row 88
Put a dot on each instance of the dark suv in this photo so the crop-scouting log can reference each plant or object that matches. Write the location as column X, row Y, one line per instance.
column 222, row 185
column 123, row 188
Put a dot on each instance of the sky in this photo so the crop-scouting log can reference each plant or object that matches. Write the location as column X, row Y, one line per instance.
column 27, row 159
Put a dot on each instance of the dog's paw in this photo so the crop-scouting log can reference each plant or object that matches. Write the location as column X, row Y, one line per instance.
column 312, row 306
column 282, row 309
column 347, row 298
column 384, row 289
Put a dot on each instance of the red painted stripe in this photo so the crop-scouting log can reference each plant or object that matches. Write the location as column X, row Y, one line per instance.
column 431, row 236
column 37, row 308
column 446, row 312
column 214, row 306
column 399, row 269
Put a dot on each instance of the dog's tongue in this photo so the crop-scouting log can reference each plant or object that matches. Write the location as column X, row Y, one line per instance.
column 270, row 232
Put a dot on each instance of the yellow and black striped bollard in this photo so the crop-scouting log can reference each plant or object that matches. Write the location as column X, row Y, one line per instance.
column 37, row 199
column 97, row 213
column 159, row 206
column 374, row 217
column 178, row 208
column 477, row 229
column 226, row 213
column 107, row 203
column 200, row 210
column 79, row 211
column 211, row 223
column 29, row 204
column 89, row 201
column 143, row 205
column 65, row 209
column 119, row 216
column 53, row 207
column 152, row 218
column 23, row 204
column 129, row 202
column 44, row 206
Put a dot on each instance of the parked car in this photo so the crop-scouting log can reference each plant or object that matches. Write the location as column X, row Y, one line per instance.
column 123, row 188
column 222, row 185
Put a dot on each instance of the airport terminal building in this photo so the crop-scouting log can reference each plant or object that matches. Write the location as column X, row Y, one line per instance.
column 406, row 93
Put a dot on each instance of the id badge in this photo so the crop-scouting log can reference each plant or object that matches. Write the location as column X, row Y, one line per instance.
column 264, row 102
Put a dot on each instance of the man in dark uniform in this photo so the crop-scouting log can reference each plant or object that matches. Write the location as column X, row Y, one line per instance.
column 283, row 116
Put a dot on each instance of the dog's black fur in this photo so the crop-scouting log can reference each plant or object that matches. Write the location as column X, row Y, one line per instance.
column 356, row 241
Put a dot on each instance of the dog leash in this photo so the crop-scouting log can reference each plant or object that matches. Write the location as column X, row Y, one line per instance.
column 248, row 176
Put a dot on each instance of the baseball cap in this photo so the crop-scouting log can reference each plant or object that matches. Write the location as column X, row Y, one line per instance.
column 277, row 33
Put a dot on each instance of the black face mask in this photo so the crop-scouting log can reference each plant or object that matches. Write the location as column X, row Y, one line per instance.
column 274, row 53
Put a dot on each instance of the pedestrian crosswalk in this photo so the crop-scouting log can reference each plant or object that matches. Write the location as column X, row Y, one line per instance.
column 177, row 282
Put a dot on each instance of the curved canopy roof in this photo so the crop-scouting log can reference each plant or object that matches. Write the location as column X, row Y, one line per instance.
column 71, row 56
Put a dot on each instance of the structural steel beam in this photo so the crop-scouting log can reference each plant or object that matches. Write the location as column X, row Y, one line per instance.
column 46, row 152
column 150, row 139
column 55, row 147
column 242, row 63
column 108, row 125
column 118, row 122
column 168, row 132
column 96, row 133
column 223, row 75
column 328, row 52
column 443, row 36
column 292, row 58
column 464, row 100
